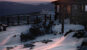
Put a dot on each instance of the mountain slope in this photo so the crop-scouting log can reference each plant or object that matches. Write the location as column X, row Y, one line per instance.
column 10, row 8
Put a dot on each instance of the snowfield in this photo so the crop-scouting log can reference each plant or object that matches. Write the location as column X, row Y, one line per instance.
column 59, row 42
column 6, row 36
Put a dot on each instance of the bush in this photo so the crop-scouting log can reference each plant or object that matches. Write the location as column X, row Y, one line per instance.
column 32, row 34
column 36, row 30
column 46, row 41
column 26, row 37
column 79, row 34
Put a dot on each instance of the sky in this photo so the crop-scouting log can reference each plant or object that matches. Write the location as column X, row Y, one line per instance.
column 29, row 0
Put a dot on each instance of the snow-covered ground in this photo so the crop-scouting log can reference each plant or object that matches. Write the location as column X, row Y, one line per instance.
column 6, row 37
column 59, row 42
column 67, row 27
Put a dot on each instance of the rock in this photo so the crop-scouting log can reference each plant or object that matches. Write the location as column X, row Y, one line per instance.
column 46, row 41
column 14, row 36
column 8, row 48
column 79, row 34
column 29, row 46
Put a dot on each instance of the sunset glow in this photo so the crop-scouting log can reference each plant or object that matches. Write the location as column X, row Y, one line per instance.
column 29, row 0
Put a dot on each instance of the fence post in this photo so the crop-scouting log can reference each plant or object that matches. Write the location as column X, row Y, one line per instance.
column 50, row 17
column 12, row 20
column 45, row 17
column 27, row 19
column 8, row 21
column 18, row 21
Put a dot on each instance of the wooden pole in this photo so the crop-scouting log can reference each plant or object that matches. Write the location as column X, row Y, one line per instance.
column 12, row 20
column 62, row 29
column 55, row 11
column 18, row 20
column 50, row 17
column 60, row 13
column 63, row 16
column 83, row 8
column 36, row 21
column 8, row 21
column 27, row 19
column 45, row 17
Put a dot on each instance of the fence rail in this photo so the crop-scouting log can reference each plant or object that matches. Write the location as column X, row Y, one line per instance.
column 25, row 19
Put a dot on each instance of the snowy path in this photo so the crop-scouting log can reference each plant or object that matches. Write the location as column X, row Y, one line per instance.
column 11, row 31
column 59, row 42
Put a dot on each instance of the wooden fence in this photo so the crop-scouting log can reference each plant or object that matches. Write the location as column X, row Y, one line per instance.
column 22, row 20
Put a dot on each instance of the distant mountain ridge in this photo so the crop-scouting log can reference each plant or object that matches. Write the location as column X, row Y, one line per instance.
column 11, row 8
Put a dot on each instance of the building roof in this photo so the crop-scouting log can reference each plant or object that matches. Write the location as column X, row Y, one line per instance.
column 65, row 0
column 70, row 2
